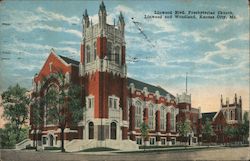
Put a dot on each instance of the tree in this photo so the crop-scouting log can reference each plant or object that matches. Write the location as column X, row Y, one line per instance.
column 8, row 136
column 63, row 104
column 207, row 130
column 144, row 133
column 15, row 104
column 184, row 128
column 243, row 128
column 36, row 117
column 230, row 132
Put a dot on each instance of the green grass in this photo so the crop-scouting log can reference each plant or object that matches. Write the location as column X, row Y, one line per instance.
column 98, row 149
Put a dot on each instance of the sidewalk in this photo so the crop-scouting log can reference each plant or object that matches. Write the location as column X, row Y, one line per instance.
column 153, row 149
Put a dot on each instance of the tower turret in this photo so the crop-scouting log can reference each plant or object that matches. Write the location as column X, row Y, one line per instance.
column 240, row 101
column 235, row 99
column 221, row 101
column 102, row 15
column 85, row 19
column 121, row 23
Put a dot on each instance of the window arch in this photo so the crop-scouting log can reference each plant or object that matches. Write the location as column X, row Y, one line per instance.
column 113, row 131
column 117, row 55
column 138, row 114
column 91, row 130
column 162, row 118
column 151, row 116
column 87, row 54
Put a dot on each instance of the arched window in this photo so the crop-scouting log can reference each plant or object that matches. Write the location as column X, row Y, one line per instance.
column 172, row 118
column 113, row 131
column 95, row 51
column 138, row 114
column 88, row 54
column 162, row 119
column 117, row 55
column 109, row 50
column 151, row 116
column 91, row 130
column 231, row 115
column 51, row 97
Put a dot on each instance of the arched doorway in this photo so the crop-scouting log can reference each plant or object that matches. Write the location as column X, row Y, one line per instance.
column 51, row 140
column 113, row 131
column 91, row 130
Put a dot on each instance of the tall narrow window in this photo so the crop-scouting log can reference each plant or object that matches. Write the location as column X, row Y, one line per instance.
column 113, row 131
column 117, row 55
column 172, row 117
column 162, row 119
column 109, row 50
column 95, row 51
column 138, row 114
column 151, row 116
column 91, row 130
column 231, row 115
column 88, row 54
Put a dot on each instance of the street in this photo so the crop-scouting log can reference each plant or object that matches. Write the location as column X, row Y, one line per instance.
column 242, row 153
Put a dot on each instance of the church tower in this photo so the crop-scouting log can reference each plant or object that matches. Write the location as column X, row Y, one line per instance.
column 104, row 78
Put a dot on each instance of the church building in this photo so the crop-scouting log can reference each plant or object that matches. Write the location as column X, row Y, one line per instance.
column 115, row 105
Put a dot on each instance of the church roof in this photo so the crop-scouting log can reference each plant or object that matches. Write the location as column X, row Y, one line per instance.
column 208, row 116
column 138, row 84
column 151, row 88
column 69, row 61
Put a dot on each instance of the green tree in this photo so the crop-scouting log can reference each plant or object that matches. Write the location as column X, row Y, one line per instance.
column 15, row 104
column 36, row 117
column 230, row 132
column 144, row 133
column 207, row 131
column 8, row 136
column 63, row 105
column 243, row 128
column 184, row 128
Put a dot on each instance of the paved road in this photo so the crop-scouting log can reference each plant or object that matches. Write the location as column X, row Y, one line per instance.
column 242, row 153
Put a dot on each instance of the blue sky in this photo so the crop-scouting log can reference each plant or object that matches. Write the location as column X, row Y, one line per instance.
column 214, row 52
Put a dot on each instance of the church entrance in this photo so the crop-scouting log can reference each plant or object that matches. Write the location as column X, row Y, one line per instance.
column 113, row 131
column 91, row 130
column 51, row 140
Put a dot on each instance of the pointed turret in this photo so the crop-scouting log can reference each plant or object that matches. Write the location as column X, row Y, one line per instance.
column 121, row 22
column 86, row 19
column 235, row 99
column 240, row 101
column 221, row 100
column 102, row 15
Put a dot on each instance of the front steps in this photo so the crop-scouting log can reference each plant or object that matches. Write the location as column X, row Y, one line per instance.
column 78, row 145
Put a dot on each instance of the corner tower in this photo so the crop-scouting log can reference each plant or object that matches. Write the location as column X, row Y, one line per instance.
column 103, row 78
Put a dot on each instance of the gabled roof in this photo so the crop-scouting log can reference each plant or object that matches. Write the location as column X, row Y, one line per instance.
column 208, row 115
column 69, row 61
column 151, row 88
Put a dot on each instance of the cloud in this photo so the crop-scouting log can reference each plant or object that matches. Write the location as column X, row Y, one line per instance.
column 51, row 16
column 197, row 36
column 27, row 21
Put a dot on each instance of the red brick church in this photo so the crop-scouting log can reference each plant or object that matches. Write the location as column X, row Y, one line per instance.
column 115, row 104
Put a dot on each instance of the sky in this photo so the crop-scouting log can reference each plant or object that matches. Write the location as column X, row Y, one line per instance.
column 214, row 52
